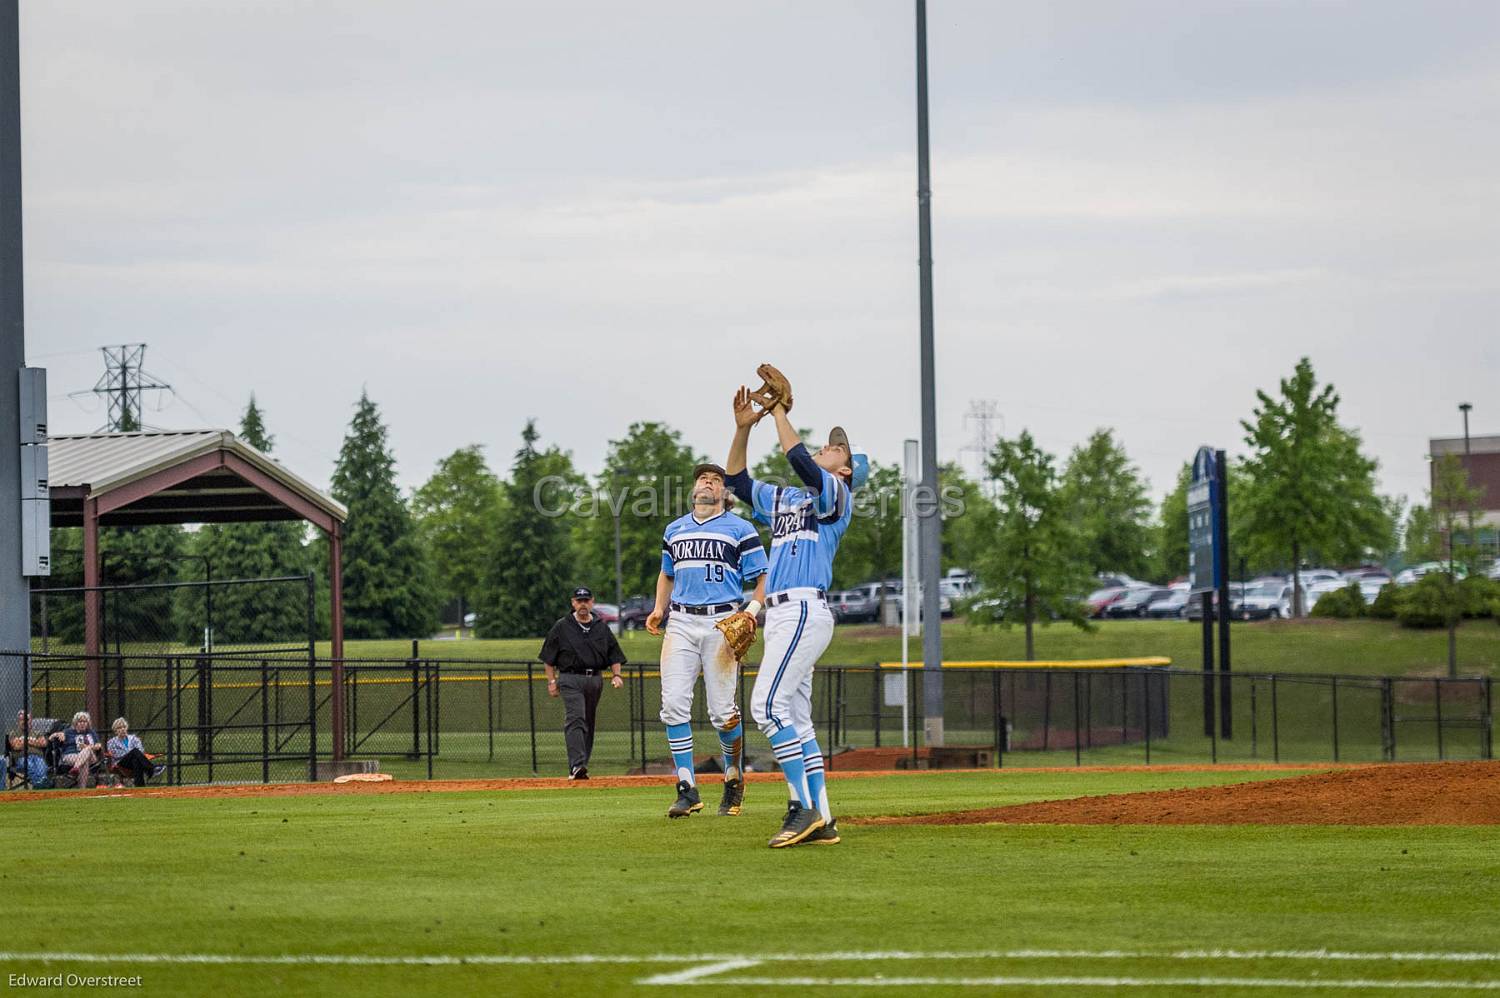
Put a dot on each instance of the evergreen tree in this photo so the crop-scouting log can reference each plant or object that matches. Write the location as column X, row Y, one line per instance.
column 646, row 482
column 1037, row 568
column 525, row 588
column 386, row 589
column 1106, row 500
column 457, row 511
column 258, row 614
column 1310, row 489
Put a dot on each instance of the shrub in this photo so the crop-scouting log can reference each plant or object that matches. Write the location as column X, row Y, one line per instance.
column 1428, row 603
column 1477, row 596
column 1384, row 607
column 1344, row 604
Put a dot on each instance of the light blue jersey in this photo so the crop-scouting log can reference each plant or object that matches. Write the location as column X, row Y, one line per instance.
column 711, row 561
column 806, row 525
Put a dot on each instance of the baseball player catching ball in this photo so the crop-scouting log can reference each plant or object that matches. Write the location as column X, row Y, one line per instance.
column 807, row 524
column 707, row 556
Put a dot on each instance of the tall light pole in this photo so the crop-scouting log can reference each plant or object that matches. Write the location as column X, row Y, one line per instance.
column 15, row 590
column 925, row 504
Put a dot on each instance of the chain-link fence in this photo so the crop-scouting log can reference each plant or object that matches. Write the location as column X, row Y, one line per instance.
column 219, row 616
column 234, row 717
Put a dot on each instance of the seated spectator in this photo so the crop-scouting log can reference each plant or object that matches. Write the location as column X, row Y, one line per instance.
column 81, row 749
column 25, row 764
column 129, row 756
column 26, row 726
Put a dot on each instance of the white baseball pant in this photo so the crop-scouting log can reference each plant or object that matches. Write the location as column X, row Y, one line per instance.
column 796, row 635
column 694, row 646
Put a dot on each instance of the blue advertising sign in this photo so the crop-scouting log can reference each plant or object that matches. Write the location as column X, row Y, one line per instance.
column 1203, row 500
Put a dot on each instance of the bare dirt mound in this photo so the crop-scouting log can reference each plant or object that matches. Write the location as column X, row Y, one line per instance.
column 1444, row 793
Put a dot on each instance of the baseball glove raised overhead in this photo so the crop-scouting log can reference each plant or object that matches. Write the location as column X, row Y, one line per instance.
column 774, row 390
column 739, row 633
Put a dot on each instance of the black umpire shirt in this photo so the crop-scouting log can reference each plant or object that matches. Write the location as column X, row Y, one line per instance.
column 575, row 647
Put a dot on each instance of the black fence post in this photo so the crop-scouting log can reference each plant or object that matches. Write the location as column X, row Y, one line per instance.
column 1046, row 711
column 1334, row 697
column 876, row 704
column 174, row 712
column 1254, row 723
column 1388, row 719
column 1077, row 721
column 1489, row 718
column 1437, row 703
column 999, row 719
column 531, row 713
column 431, row 720
column 416, row 705
column 1275, row 724
column 1146, row 709
column 312, row 721
column 265, row 722
column 489, row 706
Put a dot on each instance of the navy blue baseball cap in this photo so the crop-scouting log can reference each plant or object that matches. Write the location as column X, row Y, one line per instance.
column 583, row 592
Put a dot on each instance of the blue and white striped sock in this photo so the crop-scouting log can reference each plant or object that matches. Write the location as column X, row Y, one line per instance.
column 680, row 740
column 812, row 762
column 787, row 748
column 732, row 743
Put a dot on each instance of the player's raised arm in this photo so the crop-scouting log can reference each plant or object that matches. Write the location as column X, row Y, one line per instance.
column 745, row 417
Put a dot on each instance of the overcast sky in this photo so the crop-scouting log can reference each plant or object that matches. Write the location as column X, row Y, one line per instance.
column 596, row 213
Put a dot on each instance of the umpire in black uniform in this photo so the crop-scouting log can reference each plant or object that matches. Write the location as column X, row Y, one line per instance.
column 579, row 649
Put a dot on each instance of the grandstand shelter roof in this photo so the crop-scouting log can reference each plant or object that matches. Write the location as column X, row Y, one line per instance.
column 187, row 476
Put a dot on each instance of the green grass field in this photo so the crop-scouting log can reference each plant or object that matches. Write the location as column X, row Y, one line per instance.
column 1363, row 647
column 472, row 893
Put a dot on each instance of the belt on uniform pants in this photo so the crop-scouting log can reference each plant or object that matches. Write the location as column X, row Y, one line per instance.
column 584, row 672
column 703, row 611
column 795, row 596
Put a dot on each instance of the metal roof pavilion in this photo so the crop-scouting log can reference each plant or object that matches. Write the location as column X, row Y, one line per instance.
column 229, row 481
column 192, row 476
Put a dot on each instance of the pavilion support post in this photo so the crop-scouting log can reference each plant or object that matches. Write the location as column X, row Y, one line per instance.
column 336, row 633
column 92, row 606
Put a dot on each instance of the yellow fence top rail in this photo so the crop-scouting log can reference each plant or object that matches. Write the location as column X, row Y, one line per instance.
column 1076, row 663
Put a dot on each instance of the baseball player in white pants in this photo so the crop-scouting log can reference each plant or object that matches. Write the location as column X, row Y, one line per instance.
column 706, row 558
column 807, row 523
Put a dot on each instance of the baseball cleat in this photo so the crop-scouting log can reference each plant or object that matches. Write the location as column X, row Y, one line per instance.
column 799, row 824
column 733, row 799
column 828, row 835
column 581, row 773
column 688, row 801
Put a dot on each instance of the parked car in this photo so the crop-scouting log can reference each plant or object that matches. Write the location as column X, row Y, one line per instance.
column 1170, row 606
column 1494, row 571
column 1134, row 602
column 1194, row 609
column 854, row 606
column 1409, row 576
column 1265, row 600
column 634, row 611
column 610, row 614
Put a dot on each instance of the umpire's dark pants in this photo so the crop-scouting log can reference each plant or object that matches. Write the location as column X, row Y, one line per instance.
column 580, row 697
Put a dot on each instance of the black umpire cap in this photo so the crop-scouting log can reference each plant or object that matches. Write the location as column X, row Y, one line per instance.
column 583, row 592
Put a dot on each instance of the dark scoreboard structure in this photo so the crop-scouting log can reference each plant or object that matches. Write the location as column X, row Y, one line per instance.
column 1208, row 574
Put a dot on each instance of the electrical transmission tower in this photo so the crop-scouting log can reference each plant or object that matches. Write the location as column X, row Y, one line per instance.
column 122, row 385
column 979, row 424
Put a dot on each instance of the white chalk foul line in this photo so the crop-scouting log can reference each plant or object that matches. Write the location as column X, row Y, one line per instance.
column 1096, row 982
column 692, row 974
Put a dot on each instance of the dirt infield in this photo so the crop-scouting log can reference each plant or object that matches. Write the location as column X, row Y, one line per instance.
column 552, row 783
column 1451, row 793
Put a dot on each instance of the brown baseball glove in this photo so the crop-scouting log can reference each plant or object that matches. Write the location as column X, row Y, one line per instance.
column 774, row 390
column 739, row 632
